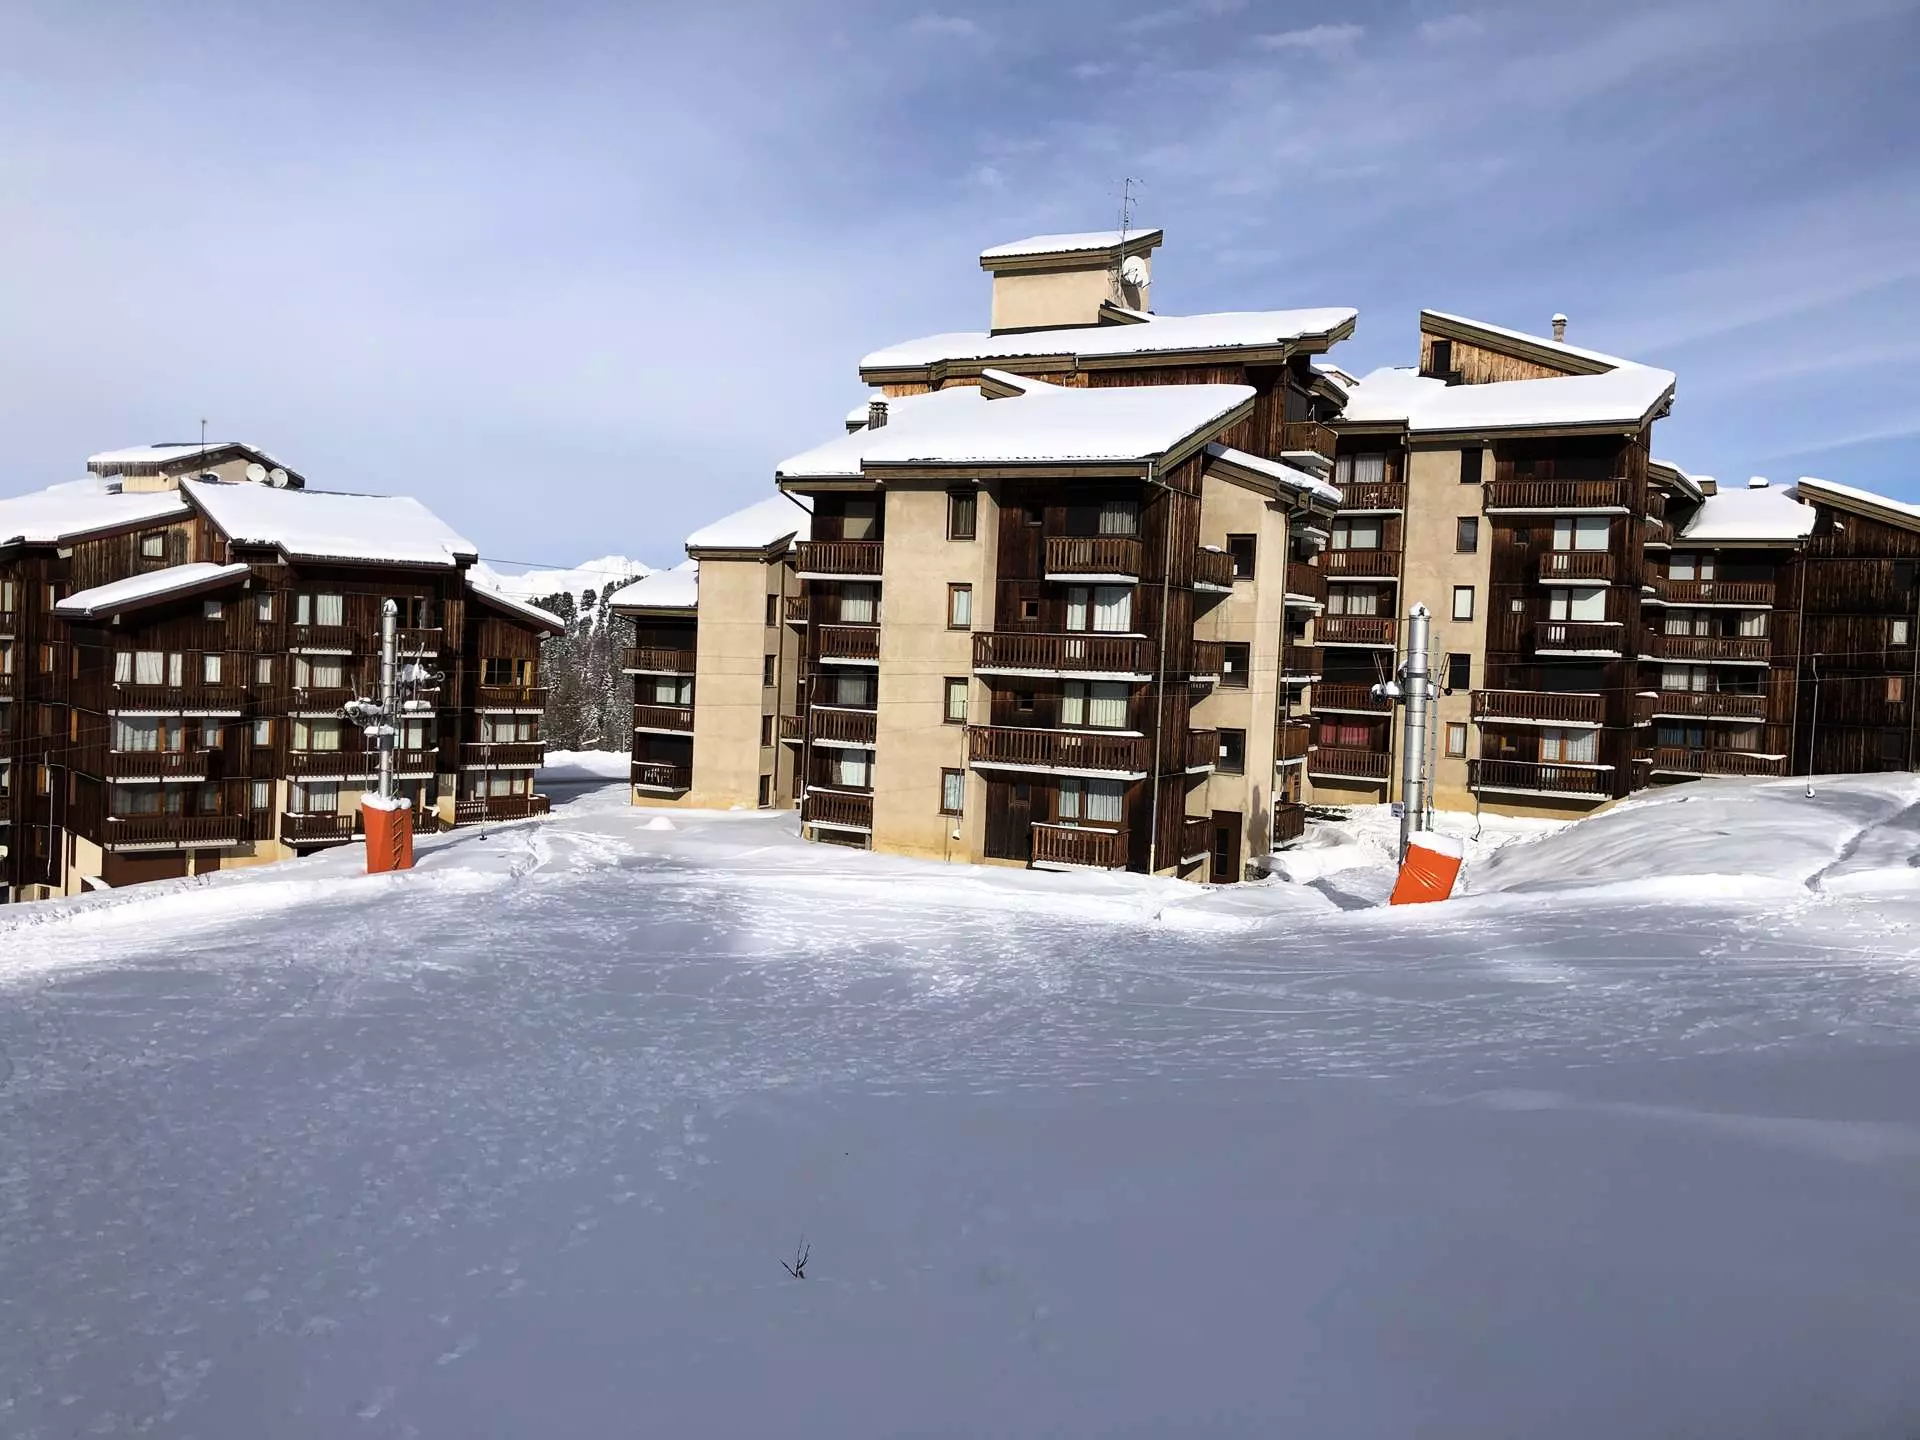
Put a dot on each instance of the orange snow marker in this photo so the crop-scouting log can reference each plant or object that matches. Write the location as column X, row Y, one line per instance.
column 1428, row 872
column 389, row 834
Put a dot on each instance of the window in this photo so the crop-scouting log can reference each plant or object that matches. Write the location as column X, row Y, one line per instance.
column 1029, row 609
column 1240, row 547
column 1235, row 661
column 1580, row 532
column 319, row 673
column 1034, row 514
column 857, row 604
column 263, row 732
column 1357, row 532
column 1360, row 469
column 1471, row 460
column 1456, row 739
column 1463, row 602
column 1099, row 704
column 1893, row 747
column 766, row 669
column 1023, row 702
column 1459, row 671
column 853, row 768
column 956, row 701
column 1896, row 689
column 1897, row 632
column 46, row 659
column 852, row 688
column 1108, row 607
column 1585, row 603
column 1353, row 600
column 323, row 610
column 1441, row 359
column 209, row 733
column 494, row 671
column 766, row 733
column 210, row 667
column 1690, row 567
column 122, row 666
column 149, row 667
column 861, row 520
column 1752, row 623
column 260, row 796
column 959, row 607
column 263, row 607
column 1094, row 802
column 153, row 546
column 135, row 733
column 1466, row 534
column 672, row 690
column 176, row 668
column 316, row 734
column 766, row 791
column 314, row 798
column 773, row 611
column 1568, row 747
column 1119, row 517
column 1233, row 753
column 263, row 670
column 963, row 514
column 953, row 791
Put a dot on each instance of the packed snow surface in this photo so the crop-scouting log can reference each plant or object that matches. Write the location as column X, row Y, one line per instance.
column 521, row 1141
column 81, row 507
column 153, row 585
column 331, row 525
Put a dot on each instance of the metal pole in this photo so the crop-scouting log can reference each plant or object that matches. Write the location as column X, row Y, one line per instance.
column 1813, row 739
column 389, row 702
column 1413, row 747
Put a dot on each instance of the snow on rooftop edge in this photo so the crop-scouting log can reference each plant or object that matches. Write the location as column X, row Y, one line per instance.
column 1544, row 342
column 760, row 525
column 1224, row 330
column 1279, row 473
column 80, row 507
column 1867, row 497
column 675, row 589
column 1072, row 243
column 509, row 602
column 1396, row 393
column 332, row 524
column 1750, row 513
column 153, row 585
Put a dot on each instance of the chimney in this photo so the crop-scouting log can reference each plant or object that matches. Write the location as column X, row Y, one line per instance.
column 876, row 413
column 1756, row 482
column 1560, row 327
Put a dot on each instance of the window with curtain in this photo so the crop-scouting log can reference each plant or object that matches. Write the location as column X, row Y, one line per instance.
column 953, row 791
column 1752, row 623
column 851, row 689
column 1568, row 747
column 1356, row 532
column 1580, row 532
column 263, row 607
column 313, row 797
column 963, row 508
column 134, row 732
column 176, row 668
column 672, row 690
column 959, row 607
column 136, row 799
column 1119, row 517
column 956, row 701
column 862, row 520
column 1586, row 603
column 329, row 610
column 210, row 733
column 149, row 668
column 210, row 668
column 1360, row 469
column 261, row 795
column 327, row 674
column 856, row 604
column 1112, row 609
column 851, row 767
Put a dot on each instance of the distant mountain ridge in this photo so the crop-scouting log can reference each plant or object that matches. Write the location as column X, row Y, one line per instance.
column 535, row 585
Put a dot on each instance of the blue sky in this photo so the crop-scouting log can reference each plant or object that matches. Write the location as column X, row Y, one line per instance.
column 580, row 275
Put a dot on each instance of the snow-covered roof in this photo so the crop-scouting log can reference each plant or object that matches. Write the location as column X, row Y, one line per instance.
column 675, row 589
column 1695, row 486
column 760, row 526
column 1813, row 488
column 1522, row 338
column 153, row 459
column 1626, row 396
column 329, row 525
column 82, row 507
column 1038, row 423
column 533, row 614
column 1752, row 513
column 1228, row 330
column 1283, row 476
column 1073, row 244
column 154, row 585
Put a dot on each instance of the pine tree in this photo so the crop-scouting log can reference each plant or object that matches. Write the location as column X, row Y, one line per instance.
column 589, row 697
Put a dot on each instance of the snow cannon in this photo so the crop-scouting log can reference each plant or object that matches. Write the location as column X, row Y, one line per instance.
column 389, row 824
column 1430, row 869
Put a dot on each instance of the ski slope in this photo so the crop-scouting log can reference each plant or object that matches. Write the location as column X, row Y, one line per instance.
column 1624, row 1142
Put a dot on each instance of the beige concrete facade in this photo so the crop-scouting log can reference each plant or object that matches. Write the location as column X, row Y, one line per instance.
column 1044, row 299
column 1431, row 568
column 731, row 696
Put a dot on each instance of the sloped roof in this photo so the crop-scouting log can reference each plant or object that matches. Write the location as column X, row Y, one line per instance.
column 135, row 591
column 760, row 526
column 1284, row 477
column 330, row 525
column 1627, row 396
column 1501, row 337
column 1072, row 244
column 1752, row 513
column 532, row 614
column 1851, row 497
column 152, row 459
column 675, row 589
column 82, row 507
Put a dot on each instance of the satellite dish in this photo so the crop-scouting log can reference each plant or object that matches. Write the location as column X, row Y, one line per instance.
column 1133, row 270
column 256, row 472
column 277, row 478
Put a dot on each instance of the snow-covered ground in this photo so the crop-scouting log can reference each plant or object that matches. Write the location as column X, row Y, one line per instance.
column 514, row 1144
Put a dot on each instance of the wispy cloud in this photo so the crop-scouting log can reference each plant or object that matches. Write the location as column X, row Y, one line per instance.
column 1446, row 29
column 1321, row 39
column 1172, row 16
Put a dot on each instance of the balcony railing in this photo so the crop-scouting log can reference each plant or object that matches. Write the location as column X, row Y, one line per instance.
column 1196, row 837
column 844, row 727
column 1672, row 760
column 675, row 719
column 1292, row 741
column 1072, row 847
column 1203, row 749
column 1656, row 534
column 1210, row 662
column 1594, row 782
column 1289, row 822
column 1008, row 653
column 659, row 775
column 1757, row 593
column 169, row 832
column 1300, row 661
column 836, row 559
column 1306, row 583
column 321, row 699
column 513, row 697
column 1575, row 637
column 1359, row 699
column 157, row 764
column 1559, row 495
column 1710, row 647
column 1069, row 556
column 176, row 699
column 850, row 642
column 656, row 660
column 1213, row 569
column 1556, row 565
column 1354, row 629
column 1709, row 705
column 793, row 727
column 1361, row 564
column 357, row 761
column 331, row 637
column 1307, row 437
column 1377, row 495
column 502, row 754
column 511, row 807
column 420, row 639
column 6, row 682
column 1538, row 705
column 317, row 829
column 796, row 609
column 837, row 810
column 1332, row 763
column 1076, row 750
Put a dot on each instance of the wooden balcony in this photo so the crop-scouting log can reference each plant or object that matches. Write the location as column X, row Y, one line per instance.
column 1196, row 838
column 174, row 832
column 1212, row 570
column 1354, row 629
column 1576, row 637
column 318, row 829
column 1709, row 705
column 420, row 639
column 793, row 729
column 1202, row 750
column 1077, row 655
column 175, row 699
column 502, row 754
column 510, row 697
column 844, row 727
column 320, row 699
column 850, row 644
column 1656, row 503
column 1076, row 751
column 1306, row 584
column 1292, row 741
column 1552, row 495
column 1655, row 534
column 158, row 764
column 1307, row 437
column 1071, row 847
column 671, row 719
column 1091, row 557
column 1350, row 699
column 839, row 559
column 658, row 775
column 1671, row 760
column 6, row 683
column 338, row 638
column 1332, row 763
column 1379, row 497
column 656, row 660
column 796, row 609
column 1530, row 778
column 1210, row 662
column 1755, row 593
column 1361, row 564
column 357, row 762
column 1289, row 822
column 1538, row 706
column 1300, row 662
column 837, row 810
column 1557, row 566
column 1710, row 647
column 500, row 807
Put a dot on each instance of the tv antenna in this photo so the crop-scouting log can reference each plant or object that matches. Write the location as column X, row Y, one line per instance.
column 1127, row 201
